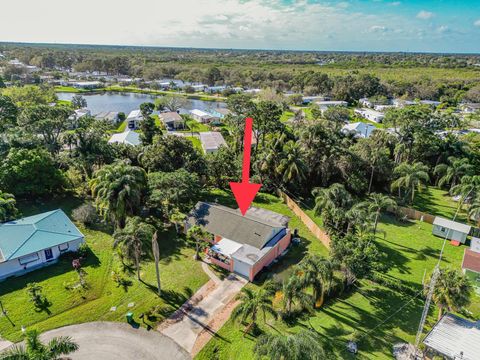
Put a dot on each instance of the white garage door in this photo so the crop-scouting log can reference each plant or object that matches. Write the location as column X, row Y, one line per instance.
column 241, row 268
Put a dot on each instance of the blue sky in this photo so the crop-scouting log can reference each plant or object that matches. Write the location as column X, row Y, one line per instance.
column 358, row 25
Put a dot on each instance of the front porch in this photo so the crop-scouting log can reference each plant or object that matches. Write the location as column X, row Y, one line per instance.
column 220, row 253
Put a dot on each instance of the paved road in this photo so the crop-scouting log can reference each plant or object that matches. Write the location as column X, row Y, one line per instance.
column 186, row 331
column 118, row 341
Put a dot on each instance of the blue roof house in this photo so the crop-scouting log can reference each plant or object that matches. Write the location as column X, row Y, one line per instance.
column 36, row 241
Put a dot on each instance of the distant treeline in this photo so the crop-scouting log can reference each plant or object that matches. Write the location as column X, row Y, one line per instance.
column 343, row 75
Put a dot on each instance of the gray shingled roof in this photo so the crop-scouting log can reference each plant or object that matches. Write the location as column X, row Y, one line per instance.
column 453, row 335
column 256, row 228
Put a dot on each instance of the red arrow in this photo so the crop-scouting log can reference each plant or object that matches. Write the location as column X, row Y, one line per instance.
column 245, row 192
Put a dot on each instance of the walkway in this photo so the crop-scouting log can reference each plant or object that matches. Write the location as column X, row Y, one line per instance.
column 204, row 313
column 118, row 341
column 4, row 344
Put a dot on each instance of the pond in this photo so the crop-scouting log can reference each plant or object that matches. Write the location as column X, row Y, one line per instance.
column 126, row 102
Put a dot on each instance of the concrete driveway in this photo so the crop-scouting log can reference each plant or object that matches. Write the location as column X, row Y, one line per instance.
column 118, row 341
column 196, row 318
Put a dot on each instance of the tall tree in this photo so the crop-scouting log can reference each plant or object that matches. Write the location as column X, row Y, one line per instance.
column 8, row 113
column 33, row 349
column 118, row 190
column 251, row 303
column 452, row 291
column 316, row 272
column 451, row 173
column 156, row 256
column 410, row 177
column 78, row 102
column 8, row 210
column 305, row 344
column 197, row 234
column 378, row 203
column 132, row 239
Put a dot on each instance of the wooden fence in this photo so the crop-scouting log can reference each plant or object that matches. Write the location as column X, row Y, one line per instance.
column 309, row 223
column 415, row 214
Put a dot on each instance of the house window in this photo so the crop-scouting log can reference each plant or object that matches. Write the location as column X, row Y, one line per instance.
column 63, row 247
column 28, row 259
column 442, row 229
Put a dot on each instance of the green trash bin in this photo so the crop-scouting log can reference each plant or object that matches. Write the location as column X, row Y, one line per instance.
column 129, row 317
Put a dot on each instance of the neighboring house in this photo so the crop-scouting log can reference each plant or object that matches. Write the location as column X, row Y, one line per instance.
column 400, row 103
column 87, row 84
column 471, row 257
column 383, row 108
column 211, row 141
column 454, row 338
column 310, row 99
column 242, row 244
column 370, row 114
column 215, row 89
column 252, row 91
column 359, row 128
column 452, row 230
column 220, row 113
column 77, row 114
column 110, row 116
column 134, row 119
column 172, row 120
column 202, row 116
column 324, row 105
column 128, row 137
column 366, row 103
column 431, row 103
column 198, row 87
column 35, row 241
column 470, row 108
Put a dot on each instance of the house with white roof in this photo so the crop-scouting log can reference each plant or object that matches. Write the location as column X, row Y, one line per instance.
column 470, row 108
column 87, row 84
column 360, row 129
column 324, row 105
column 241, row 244
column 370, row 114
column 202, row 116
column 128, row 137
column 134, row 118
column 211, row 141
column 35, row 241
column 454, row 338
column 452, row 230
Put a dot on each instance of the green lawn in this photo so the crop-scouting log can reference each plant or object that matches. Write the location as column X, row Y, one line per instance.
column 196, row 142
column 122, row 126
column 436, row 201
column 287, row 115
column 195, row 126
column 181, row 276
column 409, row 248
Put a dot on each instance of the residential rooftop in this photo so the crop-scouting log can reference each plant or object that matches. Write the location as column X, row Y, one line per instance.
column 453, row 225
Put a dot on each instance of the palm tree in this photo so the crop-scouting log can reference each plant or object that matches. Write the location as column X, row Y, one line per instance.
column 332, row 203
column 35, row 350
column 378, row 203
column 410, row 177
column 7, row 206
column 251, row 303
column 305, row 344
column 176, row 217
column 291, row 165
column 474, row 210
column 292, row 294
column 452, row 173
column 469, row 188
column 317, row 272
column 132, row 239
column 118, row 190
column 156, row 256
column 197, row 233
column 452, row 291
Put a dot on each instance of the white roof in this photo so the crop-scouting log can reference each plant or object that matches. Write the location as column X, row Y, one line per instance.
column 126, row 137
column 226, row 247
column 362, row 129
column 370, row 111
column 212, row 140
column 453, row 225
column 320, row 103
column 453, row 335
column 134, row 114
column 199, row 113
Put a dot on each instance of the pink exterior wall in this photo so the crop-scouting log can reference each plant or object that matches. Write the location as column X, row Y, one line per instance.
column 271, row 255
column 217, row 238
column 222, row 264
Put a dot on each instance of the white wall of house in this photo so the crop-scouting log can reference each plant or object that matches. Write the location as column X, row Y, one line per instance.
column 18, row 266
column 449, row 233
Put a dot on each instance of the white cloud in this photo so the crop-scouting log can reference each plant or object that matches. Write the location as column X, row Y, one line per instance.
column 379, row 29
column 396, row 3
column 425, row 15
column 443, row 29
column 477, row 23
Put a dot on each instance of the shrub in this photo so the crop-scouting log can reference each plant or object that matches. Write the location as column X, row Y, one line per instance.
column 85, row 214
column 83, row 250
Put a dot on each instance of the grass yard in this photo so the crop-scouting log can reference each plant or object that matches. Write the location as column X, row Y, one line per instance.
column 436, row 201
column 195, row 126
column 181, row 276
column 196, row 142
column 287, row 115
column 410, row 249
